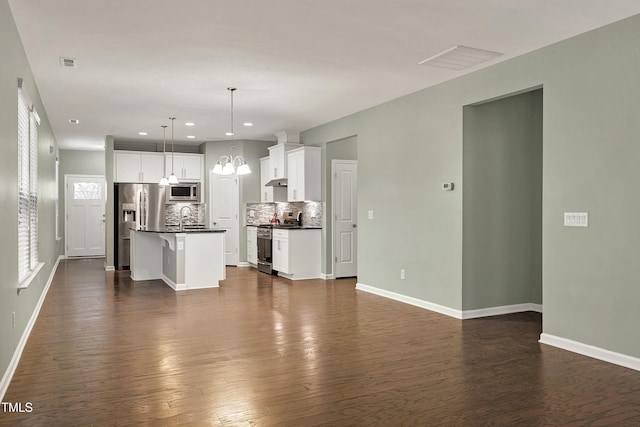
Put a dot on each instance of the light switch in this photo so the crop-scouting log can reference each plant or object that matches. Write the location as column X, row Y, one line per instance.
column 181, row 246
column 576, row 219
column 370, row 215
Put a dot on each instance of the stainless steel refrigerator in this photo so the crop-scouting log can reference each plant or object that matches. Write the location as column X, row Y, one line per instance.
column 139, row 206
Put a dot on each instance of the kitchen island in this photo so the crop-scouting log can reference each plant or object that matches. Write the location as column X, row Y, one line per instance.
column 183, row 259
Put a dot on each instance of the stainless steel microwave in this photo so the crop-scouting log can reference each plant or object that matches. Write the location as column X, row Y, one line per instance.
column 188, row 192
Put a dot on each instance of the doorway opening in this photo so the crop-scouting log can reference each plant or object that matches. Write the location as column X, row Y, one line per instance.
column 502, row 205
column 342, row 226
column 85, row 215
column 224, row 197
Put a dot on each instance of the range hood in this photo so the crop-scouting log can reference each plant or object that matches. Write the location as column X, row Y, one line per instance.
column 286, row 141
column 282, row 182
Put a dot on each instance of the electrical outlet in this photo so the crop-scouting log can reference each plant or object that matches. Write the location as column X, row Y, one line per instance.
column 402, row 273
column 370, row 215
column 13, row 320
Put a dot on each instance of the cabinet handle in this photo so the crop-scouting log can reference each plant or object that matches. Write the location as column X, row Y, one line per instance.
column 294, row 194
column 278, row 244
column 275, row 172
column 266, row 198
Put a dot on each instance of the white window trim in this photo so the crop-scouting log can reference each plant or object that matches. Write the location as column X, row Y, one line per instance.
column 32, row 275
column 28, row 122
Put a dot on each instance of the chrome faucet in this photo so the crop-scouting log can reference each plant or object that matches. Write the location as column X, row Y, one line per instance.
column 181, row 216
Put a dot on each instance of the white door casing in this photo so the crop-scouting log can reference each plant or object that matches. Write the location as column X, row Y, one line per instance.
column 344, row 214
column 85, row 204
column 224, row 204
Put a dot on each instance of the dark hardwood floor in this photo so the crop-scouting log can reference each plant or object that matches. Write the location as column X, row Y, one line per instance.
column 264, row 351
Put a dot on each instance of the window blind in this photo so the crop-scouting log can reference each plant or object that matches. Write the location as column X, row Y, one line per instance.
column 28, row 122
column 33, row 189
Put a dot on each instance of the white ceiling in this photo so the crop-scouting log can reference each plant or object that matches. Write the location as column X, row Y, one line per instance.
column 296, row 63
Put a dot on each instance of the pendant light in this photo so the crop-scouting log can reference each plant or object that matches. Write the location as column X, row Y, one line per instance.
column 230, row 162
column 164, row 181
column 173, row 179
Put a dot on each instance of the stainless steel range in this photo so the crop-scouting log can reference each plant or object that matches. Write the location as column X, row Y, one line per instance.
column 265, row 235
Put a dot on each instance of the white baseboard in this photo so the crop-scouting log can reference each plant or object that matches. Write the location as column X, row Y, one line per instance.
column 327, row 276
column 410, row 300
column 173, row 285
column 466, row 314
column 13, row 364
column 244, row 264
column 109, row 268
column 498, row 311
column 591, row 351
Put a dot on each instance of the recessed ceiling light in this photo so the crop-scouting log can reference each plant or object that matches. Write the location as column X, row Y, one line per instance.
column 189, row 124
column 74, row 121
column 190, row 136
column 229, row 133
column 143, row 133
column 248, row 124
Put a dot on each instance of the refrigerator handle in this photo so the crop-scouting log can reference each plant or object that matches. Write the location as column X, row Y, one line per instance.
column 144, row 207
column 140, row 210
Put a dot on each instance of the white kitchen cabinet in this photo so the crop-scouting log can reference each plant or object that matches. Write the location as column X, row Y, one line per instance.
column 136, row 166
column 280, row 251
column 304, row 181
column 269, row 193
column 188, row 167
column 278, row 160
column 296, row 253
column 252, row 245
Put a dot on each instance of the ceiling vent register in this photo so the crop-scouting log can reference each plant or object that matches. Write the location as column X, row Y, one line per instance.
column 68, row 62
column 460, row 58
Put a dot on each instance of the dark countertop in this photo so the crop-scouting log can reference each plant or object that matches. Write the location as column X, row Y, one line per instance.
column 177, row 230
column 288, row 227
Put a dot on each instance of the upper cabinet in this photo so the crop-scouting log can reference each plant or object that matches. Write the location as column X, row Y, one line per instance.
column 188, row 167
column 269, row 193
column 304, row 182
column 278, row 160
column 135, row 166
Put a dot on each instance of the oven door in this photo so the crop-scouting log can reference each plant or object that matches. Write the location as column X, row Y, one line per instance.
column 264, row 249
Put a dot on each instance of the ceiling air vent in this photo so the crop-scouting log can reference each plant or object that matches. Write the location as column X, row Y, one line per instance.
column 68, row 62
column 460, row 57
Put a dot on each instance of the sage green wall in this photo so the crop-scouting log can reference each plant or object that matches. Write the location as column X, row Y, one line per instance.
column 23, row 303
column 408, row 147
column 502, row 202
column 110, row 228
column 76, row 162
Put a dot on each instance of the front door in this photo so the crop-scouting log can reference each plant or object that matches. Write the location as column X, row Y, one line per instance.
column 85, row 200
column 224, row 201
column 345, row 215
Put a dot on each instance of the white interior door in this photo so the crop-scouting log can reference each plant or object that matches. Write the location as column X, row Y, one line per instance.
column 224, row 200
column 85, row 202
column 345, row 215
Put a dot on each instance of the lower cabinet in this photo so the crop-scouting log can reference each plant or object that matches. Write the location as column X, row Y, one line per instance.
column 296, row 253
column 280, row 251
column 252, row 246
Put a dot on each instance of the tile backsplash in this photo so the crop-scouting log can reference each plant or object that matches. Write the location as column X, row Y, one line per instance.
column 261, row 213
column 195, row 216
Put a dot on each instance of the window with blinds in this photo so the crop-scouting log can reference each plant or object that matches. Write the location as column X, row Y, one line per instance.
column 28, row 122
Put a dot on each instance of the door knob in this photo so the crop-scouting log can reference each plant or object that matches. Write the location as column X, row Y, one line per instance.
column 354, row 225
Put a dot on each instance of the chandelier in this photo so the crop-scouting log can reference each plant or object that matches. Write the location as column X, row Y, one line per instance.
column 228, row 165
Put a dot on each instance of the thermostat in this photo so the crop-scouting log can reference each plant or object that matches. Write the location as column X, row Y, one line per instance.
column 447, row 186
